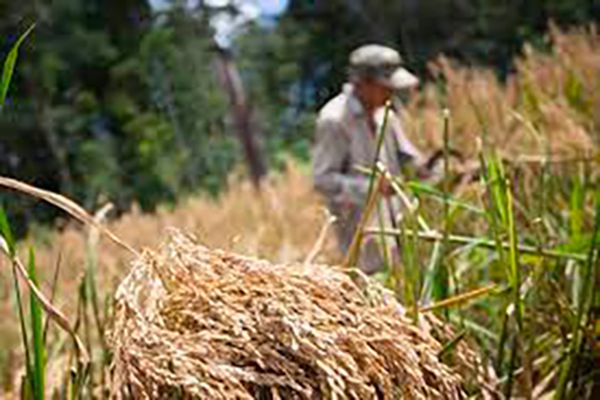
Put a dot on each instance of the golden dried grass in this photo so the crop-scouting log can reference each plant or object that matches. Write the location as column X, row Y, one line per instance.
column 203, row 323
column 546, row 108
column 212, row 324
column 281, row 224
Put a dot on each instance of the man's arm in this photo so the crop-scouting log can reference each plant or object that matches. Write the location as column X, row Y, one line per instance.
column 407, row 151
column 331, row 168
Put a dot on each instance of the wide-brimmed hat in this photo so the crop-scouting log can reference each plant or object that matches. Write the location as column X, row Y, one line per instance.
column 383, row 64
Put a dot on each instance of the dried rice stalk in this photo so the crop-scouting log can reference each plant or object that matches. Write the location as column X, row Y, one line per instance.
column 198, row 323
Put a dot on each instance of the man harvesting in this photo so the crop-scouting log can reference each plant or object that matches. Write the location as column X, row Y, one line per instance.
column 346, row 137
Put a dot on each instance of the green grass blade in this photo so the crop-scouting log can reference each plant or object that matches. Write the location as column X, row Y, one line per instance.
column 6, row 233
column 39, row 352
column 497, row 181
column 512, row 366
column 380, row 143
column 490, row 181
column 513, row 253
column 441, row 274
column 355, row 246
column 8, row 238
column 411, row 276
column 430, row 273
column 502, row 342
column 424, row 188
column 385, row 251
column 576, row 218
column 24, row 334
column 483, row 242
column 9, row 65
column 451, row 345
column 475, row 328
column 576, row 211
column 583, row 310
column 53, row 290
column 502, row 206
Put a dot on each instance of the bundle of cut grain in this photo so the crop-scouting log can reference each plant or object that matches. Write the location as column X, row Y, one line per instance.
column 198, row 323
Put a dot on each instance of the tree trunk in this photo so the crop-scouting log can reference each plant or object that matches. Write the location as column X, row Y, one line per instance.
column 242, row 116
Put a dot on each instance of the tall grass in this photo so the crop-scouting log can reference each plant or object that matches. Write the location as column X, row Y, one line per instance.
column 505, row 249
column 514, row 266
column 586, row 278
column 35, row 352
column 32, row 333
column 33, row 385
column 37, row 336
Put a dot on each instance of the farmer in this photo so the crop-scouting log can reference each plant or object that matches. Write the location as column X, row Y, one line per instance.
column 346, row 133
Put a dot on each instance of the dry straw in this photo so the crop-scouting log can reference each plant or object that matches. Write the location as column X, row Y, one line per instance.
column 198, row 323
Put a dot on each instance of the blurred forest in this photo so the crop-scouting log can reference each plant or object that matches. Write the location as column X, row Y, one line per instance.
column 119, row 99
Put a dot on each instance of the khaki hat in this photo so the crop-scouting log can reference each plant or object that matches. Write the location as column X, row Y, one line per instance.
column 382, row 63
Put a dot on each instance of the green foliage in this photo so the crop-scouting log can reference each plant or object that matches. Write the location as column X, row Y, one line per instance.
column 584, row 298
column 38, row 368
column 6, row 233
column 114, row 103
column 29, row 388
column 538, row 320
column 9, row 65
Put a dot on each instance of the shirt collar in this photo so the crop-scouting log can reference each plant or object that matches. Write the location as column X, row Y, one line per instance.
column 354, row 105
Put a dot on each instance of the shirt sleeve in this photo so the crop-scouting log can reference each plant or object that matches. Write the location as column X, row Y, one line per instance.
column 331, row 169
column 405, row 147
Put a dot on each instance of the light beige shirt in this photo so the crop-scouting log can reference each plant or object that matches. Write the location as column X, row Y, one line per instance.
column 345, row 140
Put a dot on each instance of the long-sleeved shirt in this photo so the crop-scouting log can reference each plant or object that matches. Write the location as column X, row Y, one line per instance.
column 345, row 139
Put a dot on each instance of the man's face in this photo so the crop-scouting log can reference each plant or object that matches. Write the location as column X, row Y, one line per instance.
column 374, row 93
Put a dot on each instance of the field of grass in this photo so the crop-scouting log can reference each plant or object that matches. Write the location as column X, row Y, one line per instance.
column 505, row 248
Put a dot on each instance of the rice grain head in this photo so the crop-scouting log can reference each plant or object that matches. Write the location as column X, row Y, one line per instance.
column 200, row 323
